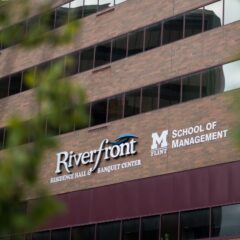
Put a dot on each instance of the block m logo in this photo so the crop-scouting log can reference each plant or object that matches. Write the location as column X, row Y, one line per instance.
column 159, row 143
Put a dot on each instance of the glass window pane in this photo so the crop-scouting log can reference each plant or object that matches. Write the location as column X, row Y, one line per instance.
column 119, row 1
column 61, row 234
column 173, row 30
column 108, row 231
column 15, row 83
column 90, row 7
column 212, row 81
column 86, row 61
column 4, row 84
column 130, row 230
column 83, row 233
column 213, row 15
column 226, row 221
column 191, row 87
column 25, row 74
column 149, row 98
column 33, row 23
column 47, row 20
column 1, row 138
column 194, row 22
column 115, row 108
column 195, row 224
column 132, row 103
column 135, row 42
column 76, row 9
column 52, row 130
column 150, row 228
column 99, row 112
column 78, row 123
column 119, row 48
column 41, row 236
column 153, row 36
column 62, row 15
column 232, row 11
column 105, row 4
column 170, row 93
column 231, row 72
column 103, row 52
column 169, row 226
column 71, row 64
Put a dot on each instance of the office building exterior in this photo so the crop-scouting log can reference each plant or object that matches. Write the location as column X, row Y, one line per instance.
column 156, row 160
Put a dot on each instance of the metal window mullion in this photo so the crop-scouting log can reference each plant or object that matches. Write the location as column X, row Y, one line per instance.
column 141, row 100
column 107, row 111
column 184, row 25
column 140, row 228
column 179, row 225
column 158, row 98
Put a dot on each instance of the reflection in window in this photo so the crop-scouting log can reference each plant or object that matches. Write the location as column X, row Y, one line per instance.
column 4, row 84
column 83, row 233
column 99, row 112
column 76, row 9
column 105, row 4
column 149, row 98
column 119, row 48
column 90, row 7
column 119, row 1
column 115, row 108
column 132, row 103
column 61, row 234
column 103, row 52
column 191, row 87
column 232, row 11
column 153, row 36
column 195, row 224
column 71, row 64
column 173, row 30
column 150, row 228
column 1, row 138
column 86, row 61
column 226, row 221
column 169, row 226
column 108, row 231
column 62, row 15
column 213, row 15
column 15, row 83
column 170, row 93
column 41, row 236
column 135, row 42
column 194, row 22
column 130, row 230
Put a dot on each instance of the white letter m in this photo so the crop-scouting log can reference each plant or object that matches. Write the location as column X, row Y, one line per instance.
column 159, row 140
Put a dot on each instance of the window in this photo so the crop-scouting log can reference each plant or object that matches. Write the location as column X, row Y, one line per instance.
column 1, row 138
column 71, row 64
column 153, row 36
column 226, row 221
column 108, row 231
column 191, row 87
column 41, row 236
column 195, row 224
column 194, row 22
column 119, row 48
column 61, row 234
column 173, row 30
column 47, row 20
column 135, row 42
column 25, row 74
column 119, row 1
column 90, row 7
column 150, row 228
column 169, row 226
column 130, row 230
column 213, row 15
column 41, row 68
column 62, row 15
column 76, row 9
column 4, row 85
column 99, row 112
column 33, row 24
column 15, row 83
column 170, row 93
column 132, row 103
column 79, row 121
column 86, row 60
column 105, row 4
column 83, row 233
column 149, row 98
column 115, row 108
column 103, row 52
column 52, row 130
column 231, row 11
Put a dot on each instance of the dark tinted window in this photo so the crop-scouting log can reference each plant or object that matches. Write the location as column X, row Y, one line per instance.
column 119, row 48
column 226, row 221
column 194, row 22
column 52, row 130
column 78, row 121
column 1, row 137
column 83, row 233
column 130, row 230
column 108, row 231
column 150, row 228
column 132, row 103
column 25, row 75
column 15, row 83
column 72, row 64
column 173, row 30
column 76, row 10
column 195, row 224
column 135, row 42
column 62, row 15
column 90, row 7
column 153, row 36
column 98, row 112
column 4, row 84
column 115, row 108
column 41, row 236
column 61, row 234
column 191, row 87
column 103, row 52
column 149, row 98
column 47, row 20
column 42, row 68
column 33, row 24
column 170, row 93
column 86, row 61
column 105, row 4
column 169, row 226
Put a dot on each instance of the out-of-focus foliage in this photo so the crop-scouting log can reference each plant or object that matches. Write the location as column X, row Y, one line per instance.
column 58, row 101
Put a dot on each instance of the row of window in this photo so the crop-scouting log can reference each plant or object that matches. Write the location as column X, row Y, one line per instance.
column 201, row 84
column 143, row 39
column 58, row 17
column 219, row 221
